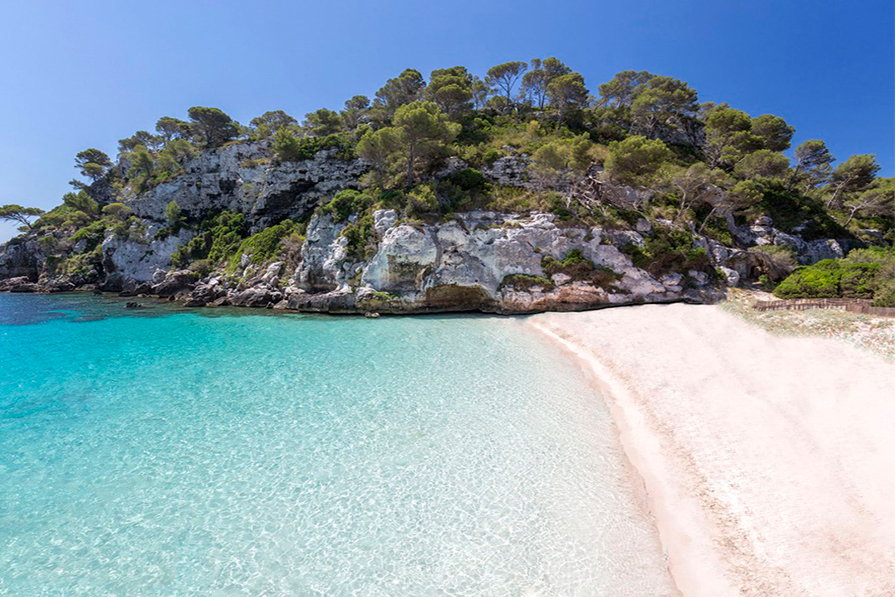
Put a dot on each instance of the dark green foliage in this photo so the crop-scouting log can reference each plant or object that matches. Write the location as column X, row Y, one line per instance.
column 790, row 210
column 173, row 215
column 403, row 89
column 576, row 266
column 525, row 282
column 264, row 246
column 211, row 126
column 361, row 237
column 346, row 203
column 636, row 160
column 219, row 237
column 323, row 122
column 92, row 163
column 289, row 147
column 92, row 233
column 462, row 188
column 669, row 250
column 172, row 128
column 451, row 89
column 269, row 123
column 17, row 213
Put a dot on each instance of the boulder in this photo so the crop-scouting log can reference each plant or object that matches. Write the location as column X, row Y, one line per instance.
column 176, row 282
column 257, row 296
column 6, row 285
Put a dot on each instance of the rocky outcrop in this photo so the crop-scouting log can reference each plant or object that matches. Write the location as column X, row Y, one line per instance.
column 139, row 255
column 175, row 283
column 241, row 178
column 473, row 261
column 763, row 233
column 510, row 170
column 21, row 257
column 481, row 261
column 19, row 284
column 739, row 265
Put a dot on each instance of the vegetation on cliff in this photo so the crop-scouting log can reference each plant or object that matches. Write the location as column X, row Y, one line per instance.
column 450, row 143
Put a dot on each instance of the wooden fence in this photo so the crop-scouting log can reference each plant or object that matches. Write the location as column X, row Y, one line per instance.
column 851, row 305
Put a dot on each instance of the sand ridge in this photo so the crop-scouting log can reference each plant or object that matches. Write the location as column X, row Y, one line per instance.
column 769, row 461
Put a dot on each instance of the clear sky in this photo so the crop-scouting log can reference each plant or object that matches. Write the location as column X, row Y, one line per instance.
column 85, row 74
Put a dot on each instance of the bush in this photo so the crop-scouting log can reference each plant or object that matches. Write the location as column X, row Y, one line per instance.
column 577, row 267
column 421, row 200
column 669, row 250
column 462, row 188
column 347, row 202
column 361, row 237
column 830, row 278
column 219, row 236
column 262, row 247
column 857, row 280
column 288, row 147
column 885, row 294
column 525, row 282
column 794, row 213
column 636, row 160
column 92, row 233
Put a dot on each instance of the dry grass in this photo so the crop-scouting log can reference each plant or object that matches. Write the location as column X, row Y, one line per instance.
column 874, row 334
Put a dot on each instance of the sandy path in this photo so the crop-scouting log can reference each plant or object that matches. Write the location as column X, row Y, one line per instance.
column 769, row 461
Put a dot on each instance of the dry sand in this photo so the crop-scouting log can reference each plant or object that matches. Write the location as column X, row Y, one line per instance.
column 769, row 461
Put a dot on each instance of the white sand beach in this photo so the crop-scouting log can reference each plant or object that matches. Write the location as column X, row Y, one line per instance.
column 769, row 461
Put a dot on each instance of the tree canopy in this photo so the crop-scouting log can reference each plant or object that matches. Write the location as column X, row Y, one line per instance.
column 211, row 126
column 17, row 213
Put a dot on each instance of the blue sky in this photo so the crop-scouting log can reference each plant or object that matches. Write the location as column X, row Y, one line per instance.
column 77, row 75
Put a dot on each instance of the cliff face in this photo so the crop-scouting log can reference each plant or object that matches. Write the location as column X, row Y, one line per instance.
column 240, row 178
column 478, row 260
column 481, row 261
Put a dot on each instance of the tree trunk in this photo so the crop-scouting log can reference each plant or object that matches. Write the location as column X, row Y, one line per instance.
column 792, row 179
column 851, row 216
column 707, row 217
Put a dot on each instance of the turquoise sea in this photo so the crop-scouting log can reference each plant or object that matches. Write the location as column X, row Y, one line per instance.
column 235, row 452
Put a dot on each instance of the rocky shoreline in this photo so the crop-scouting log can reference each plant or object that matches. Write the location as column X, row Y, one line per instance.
column 479, row 261
column 384, row 261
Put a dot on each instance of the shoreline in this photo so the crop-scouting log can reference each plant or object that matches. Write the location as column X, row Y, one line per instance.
column 758, row 481
column 357, row 309
column 637, row 448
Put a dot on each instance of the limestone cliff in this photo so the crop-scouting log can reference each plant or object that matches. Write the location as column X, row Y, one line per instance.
column 474, row 260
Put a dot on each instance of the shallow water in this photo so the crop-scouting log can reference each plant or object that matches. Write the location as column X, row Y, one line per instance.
column 225, row 452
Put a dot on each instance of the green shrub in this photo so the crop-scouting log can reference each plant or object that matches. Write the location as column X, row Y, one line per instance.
column 92, row 233
column 202, row 267
column 820, row 280
column 346, row 203
column 262, row 247
column 525, row 282
column 863, row 273
column 885, row 294
column 421, row 200
column 790, row 210
column 288, row 147
column 857, row 280
column 831, row 278
column 219, row 237
column 576, row 266
column 460, row 189
column 669, row 250
column 361, row 237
